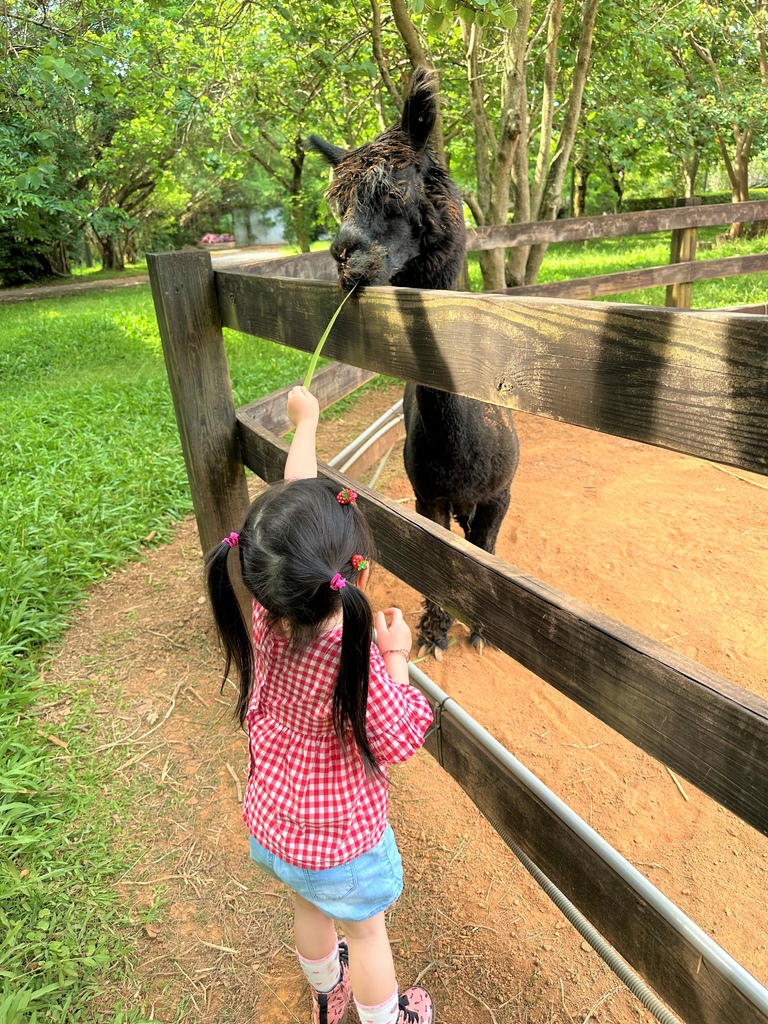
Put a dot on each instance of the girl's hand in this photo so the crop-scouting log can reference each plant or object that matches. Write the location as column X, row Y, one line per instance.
column 392, row 632
column 303, row 411
column 302, row 406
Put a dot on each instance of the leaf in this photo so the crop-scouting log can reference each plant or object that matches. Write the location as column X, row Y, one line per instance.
column 508, row 17
column 437, row 22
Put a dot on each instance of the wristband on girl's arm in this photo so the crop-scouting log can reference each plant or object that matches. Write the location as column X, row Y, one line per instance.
column 398, row 650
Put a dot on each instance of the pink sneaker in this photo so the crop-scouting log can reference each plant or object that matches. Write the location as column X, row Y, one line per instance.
column 416, row 1007
column 330, row 1007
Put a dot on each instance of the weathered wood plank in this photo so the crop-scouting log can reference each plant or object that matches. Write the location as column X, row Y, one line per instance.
column 188, row 316
column 309, row 266
column 683, row 250
column 689, row 983
column 575, row 229
column 646, row 277
column 691, row 381
column 376, row 451
column 755, row 307
column 329, row 384
column 702, row 726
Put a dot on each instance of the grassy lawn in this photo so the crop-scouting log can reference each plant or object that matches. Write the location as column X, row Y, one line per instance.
column 91, row 464
column 95, row 273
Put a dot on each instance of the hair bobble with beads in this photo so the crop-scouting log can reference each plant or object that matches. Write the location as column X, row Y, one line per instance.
column 359, row 562
column 346, row 496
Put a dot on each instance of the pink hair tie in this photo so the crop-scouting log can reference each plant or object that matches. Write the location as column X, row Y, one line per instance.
column 232, row 540
column 338, row 582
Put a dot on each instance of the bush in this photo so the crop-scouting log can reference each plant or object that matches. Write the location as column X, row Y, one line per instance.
column 22, row 261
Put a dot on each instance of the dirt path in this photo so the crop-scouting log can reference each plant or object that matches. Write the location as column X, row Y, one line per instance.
column 221, row 259
column 670, row 545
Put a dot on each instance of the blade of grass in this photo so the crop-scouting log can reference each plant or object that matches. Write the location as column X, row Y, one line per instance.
column 321, row 343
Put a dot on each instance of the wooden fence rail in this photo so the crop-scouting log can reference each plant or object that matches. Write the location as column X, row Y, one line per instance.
column 575, row 229
column 695, row 382
column 647, row 277
column 679, row 275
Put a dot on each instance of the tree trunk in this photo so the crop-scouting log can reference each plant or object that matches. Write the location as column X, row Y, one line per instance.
column 581, row 176
column 130, row 249
column 553, row 189
column 740, row 180
column 418, row 57
column 111, row 254
column 298, row 213
column 492, row 269
column 617, row 184
column 58, row 257
column 690, row 170
column 514, row 270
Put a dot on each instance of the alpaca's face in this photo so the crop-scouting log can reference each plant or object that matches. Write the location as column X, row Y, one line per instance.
column 401, row 216
column 378, row 196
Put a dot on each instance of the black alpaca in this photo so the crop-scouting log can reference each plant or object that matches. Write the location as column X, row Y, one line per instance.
column 402, row 223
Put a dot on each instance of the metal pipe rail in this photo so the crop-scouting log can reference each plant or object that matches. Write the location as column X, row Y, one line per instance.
column 709, row 950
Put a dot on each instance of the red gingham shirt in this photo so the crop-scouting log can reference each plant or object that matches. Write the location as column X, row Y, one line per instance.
column 306, row 801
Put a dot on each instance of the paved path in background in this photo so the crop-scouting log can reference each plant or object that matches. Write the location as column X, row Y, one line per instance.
column 220, row 259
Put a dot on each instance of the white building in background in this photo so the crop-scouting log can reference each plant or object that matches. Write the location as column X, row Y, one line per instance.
column 254, row 228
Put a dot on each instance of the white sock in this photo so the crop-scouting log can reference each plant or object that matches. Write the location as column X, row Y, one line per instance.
column 323, row 974
column 384, row 1013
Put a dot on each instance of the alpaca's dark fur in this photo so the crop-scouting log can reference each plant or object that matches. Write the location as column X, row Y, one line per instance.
column 402, row 222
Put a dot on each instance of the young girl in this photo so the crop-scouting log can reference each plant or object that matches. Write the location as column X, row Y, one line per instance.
column 326, row 711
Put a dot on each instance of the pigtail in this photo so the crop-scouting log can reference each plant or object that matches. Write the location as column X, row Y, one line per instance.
column 350, row 695
column 234, row 635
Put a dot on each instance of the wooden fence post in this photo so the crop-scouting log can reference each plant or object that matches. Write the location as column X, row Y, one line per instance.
column 187, row 311
column 683, row 250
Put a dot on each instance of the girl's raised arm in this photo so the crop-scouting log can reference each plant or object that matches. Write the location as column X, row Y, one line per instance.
column 304, row 412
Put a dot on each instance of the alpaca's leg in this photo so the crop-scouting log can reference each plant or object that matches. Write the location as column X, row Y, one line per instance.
column 483, row 530
column 434, row 623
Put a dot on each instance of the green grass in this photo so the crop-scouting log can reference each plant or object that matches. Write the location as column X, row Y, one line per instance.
column 90, row 463
column 567, row 260
column 95, row 273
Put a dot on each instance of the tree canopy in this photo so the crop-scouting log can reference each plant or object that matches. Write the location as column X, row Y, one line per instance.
column 126, row 128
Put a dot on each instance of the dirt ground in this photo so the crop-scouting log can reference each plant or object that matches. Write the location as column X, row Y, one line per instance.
column 672, row 546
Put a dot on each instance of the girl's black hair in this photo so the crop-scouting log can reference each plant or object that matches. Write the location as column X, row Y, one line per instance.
column 294, row 540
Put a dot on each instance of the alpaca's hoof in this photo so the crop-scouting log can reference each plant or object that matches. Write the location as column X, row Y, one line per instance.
column 476, row 641
column 434, row 647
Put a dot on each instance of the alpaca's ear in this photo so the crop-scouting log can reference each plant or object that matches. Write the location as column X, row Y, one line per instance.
column 333, row 154
column 420, row 110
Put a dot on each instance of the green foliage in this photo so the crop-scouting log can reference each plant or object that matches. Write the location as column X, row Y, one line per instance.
column 21, row 261
column 481, row 12
column 90, row 463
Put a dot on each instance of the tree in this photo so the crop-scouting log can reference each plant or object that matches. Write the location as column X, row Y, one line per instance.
column 524, row 82
column 720, row 51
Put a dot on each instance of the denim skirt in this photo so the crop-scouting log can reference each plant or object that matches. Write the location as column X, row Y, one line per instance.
column 354, row 891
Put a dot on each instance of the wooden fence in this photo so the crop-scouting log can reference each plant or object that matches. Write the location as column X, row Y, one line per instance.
column 694, row 382
column 679, row 275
